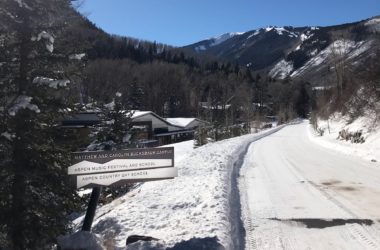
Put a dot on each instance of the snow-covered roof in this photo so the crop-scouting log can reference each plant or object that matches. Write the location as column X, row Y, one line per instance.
column 137, row 113
column 183, row 122
column 180, row 122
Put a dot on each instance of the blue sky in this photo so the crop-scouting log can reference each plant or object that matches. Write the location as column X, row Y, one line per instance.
column 182, row 22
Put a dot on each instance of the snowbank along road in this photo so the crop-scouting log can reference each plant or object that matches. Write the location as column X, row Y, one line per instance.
column 298, row 195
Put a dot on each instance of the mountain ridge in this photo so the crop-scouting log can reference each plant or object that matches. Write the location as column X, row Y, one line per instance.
column 290, row 51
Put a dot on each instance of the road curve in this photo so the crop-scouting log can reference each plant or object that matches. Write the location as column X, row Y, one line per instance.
column 298, row 195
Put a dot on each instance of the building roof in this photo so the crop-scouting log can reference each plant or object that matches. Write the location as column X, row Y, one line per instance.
column 180, row 121
column 138, row 114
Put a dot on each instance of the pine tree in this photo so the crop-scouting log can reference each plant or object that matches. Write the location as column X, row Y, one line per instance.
column 35, row 94
column 114, row 131
column 135, row 98
column 302, row 103
column 200, row 136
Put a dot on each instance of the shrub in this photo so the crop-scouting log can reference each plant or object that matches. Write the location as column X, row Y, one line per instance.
column 354, row 137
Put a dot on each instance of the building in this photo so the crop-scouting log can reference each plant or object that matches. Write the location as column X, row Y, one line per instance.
column 148, row 128
column 152, row 130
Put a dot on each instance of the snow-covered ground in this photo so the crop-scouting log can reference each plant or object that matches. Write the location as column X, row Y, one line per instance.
column 299, row 195
column 196, row 204
column 368, row 125
column 297, row 191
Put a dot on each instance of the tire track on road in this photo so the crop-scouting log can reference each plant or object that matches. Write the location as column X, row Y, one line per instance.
column 371, row 241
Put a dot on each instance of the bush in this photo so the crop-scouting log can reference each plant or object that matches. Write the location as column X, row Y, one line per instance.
column 200, row 136
column 320, row 131
column 354, row 137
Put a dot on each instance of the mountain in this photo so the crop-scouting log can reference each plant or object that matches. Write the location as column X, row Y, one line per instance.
column 298, row 52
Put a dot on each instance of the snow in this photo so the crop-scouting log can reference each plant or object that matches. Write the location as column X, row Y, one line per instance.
column 295, row 193
column 200, row 48
column 181, row 149
column 49, row 40
column 281, row 70
column 181, row 122
column 293, row 34
column 137, row 113
column 254, row 34
column 213, row 107
column 83, row 192
column 52, row 83
column 224, row 37
column 110, row 122
column 361, row 48
column 269, row 28
column 81, row 240
column 110, row 106
column 46, row 36
column 77, row 56
column 373, row 24
column 193, row 205
column 314, row 52
column 373, row 21
column 344, row 49
column 369, row 150
column 321, row 87
column 23, row 102
column 341, row 47
column 280, row 31
column 305, row 37
column 8, row 135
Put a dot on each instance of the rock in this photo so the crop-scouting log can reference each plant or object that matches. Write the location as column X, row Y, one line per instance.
column 134, row 238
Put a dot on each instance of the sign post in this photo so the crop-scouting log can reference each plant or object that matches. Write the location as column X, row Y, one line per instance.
column 91, row 209
column 111, row 168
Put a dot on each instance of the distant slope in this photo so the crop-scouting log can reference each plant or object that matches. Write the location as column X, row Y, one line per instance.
column 302, row 52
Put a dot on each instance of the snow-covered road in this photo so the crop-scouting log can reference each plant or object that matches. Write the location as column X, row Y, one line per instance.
column 299, row 195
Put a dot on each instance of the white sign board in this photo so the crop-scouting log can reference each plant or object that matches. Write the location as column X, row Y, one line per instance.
column 117, row 167
column 106, row 179
column 87, row 167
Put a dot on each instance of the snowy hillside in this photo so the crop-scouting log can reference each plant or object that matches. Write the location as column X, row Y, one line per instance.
column 367, row 125
column 301, row 52
column 197, row 204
